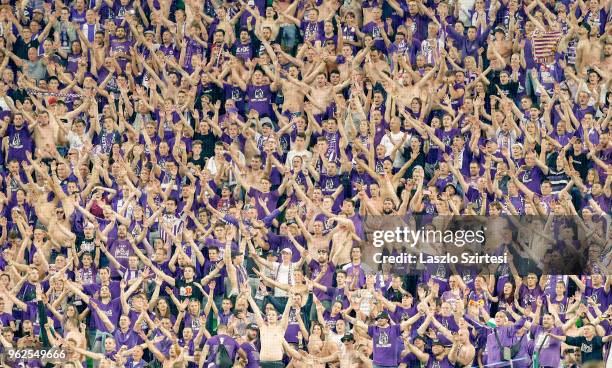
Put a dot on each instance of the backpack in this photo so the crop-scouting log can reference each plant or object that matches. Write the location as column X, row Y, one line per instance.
column 223, row 360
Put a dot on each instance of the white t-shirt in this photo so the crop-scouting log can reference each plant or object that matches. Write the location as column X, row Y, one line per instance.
column 306, row 155
column 284, row 275
column 75, row 140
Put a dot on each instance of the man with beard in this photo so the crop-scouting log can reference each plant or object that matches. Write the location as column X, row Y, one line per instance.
column 388, row 207
column 437, row 358
column 606, row 62
column 462, row 352
column 17, row 141
column 547, row 350
column 589, row 48
column 386, row 338
column 250, row 348
column 121, row 250
column 349, row 357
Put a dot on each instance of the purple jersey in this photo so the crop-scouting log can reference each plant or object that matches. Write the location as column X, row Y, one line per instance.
column 385, row 344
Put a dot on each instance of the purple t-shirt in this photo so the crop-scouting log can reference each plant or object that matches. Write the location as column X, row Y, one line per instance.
column 270, row 199
column 252, row 354
column 121, row 250
column 549, row 348
column 402, row 313
column 19, row 142
column 599, row 295
column 112, row 310
column 528, row 296
column 385, row 344
column 213, row 347
column 129, row 338
column 260, row 99
column 326, row 280
column 532, row 178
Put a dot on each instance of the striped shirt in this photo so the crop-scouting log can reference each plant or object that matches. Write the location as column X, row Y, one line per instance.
column 544, row 44
column 170, row 222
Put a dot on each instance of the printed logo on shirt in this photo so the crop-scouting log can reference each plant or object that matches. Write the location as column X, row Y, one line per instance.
column 16, row 142
column 585, row 348
column 186, row 291
column 383, row 340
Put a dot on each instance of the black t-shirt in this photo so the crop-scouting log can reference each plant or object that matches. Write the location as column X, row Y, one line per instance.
column 509, row 89
column 20, row 48
column 208, row 143
column 199, row 162
column 591, row 351
column 86, row 245
column 189, row 290
column 579, row 161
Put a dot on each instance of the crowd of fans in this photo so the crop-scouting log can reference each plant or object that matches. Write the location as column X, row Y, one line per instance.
column 189, row 183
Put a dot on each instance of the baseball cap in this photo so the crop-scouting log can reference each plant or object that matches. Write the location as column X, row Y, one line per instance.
column 586, row 25
column 347, row 337
column 266, row 121
column 287, row 250
column 436, row 342
column 252, row 326
column 382, row 315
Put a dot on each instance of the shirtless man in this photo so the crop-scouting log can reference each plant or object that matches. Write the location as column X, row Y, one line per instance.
column 606, row 62
column 350, row 62
column 271, row 332
column 350, row 357
column 322, row 92
column 317, row 240
column 294, row 96
column 588, row 51
column 387, row 181
column 407, row 88
column 254, row 171
column 462, row 352
column 44, row 129
column 342, row 241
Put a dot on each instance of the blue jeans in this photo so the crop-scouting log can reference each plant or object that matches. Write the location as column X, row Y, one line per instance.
column 272, row 364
